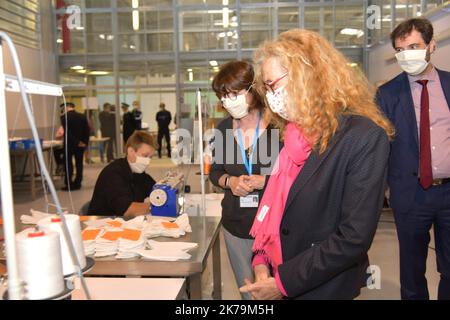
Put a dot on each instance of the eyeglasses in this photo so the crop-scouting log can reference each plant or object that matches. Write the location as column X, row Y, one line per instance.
column 233, row 95
column 270, row 85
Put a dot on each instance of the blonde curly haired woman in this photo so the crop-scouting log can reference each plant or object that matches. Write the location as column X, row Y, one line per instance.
column 320, row 210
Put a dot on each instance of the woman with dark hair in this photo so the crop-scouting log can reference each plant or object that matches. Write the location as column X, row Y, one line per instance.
column 247, row 137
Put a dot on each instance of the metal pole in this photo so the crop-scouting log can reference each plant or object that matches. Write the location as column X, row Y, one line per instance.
column 9, row 228
column 200, row 144
column 116, row 76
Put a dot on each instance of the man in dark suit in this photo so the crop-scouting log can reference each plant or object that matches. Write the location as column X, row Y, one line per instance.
column 76, row 139
column 163, row 117
column 128, row 123
column 108, row 128
column 417, row 103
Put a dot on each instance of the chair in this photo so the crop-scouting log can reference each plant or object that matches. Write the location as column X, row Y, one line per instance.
column 84, row 209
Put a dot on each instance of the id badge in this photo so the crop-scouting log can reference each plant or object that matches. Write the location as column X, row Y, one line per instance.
column 250, row 201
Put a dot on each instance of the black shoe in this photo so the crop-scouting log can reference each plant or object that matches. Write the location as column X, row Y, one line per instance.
column 76, row 187
column 72, row 187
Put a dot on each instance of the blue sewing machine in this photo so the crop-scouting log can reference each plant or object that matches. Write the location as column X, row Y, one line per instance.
column 164, row 196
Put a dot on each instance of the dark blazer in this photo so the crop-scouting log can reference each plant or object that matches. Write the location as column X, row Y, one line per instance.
column 128, row 125
column 395, row 99
column 332, row 212
column 77, row 129
column 107, row 124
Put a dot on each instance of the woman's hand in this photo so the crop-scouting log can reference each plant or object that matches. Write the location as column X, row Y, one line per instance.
column 261, row 272
column 256, row 181
column 240, row 186
column 262, row 290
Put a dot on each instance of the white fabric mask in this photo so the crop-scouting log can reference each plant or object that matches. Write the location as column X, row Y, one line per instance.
column 277, row 102
column 140, row 165
column 412, row 62
column 237, row 108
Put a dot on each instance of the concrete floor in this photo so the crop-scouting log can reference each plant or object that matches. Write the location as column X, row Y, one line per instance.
column 383, row 253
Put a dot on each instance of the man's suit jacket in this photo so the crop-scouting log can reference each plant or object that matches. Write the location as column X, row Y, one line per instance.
column 77, row 129
column 395, row 99
column 107, row 124
column 332, row 212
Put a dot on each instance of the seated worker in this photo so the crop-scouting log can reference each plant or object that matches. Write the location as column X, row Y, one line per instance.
column 123, row 184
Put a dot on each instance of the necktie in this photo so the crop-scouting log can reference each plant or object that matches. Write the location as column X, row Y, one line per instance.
column 426, row 173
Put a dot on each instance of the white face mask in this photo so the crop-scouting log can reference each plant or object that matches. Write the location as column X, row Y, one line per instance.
column 237, row 108
column 412, row 62
column 277, row 102
column 140, row 165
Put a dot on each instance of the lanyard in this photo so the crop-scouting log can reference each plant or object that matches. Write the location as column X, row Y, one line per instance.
column 248, row 162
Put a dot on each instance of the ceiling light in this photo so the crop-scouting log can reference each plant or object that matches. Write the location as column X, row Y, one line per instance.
column 59, row 41
column 77, row 67
column 101, row 36
column 135, row 5
column 225, row 14
column 79, row 28
column 352, row 32
column 213, row 63
column 98, row 73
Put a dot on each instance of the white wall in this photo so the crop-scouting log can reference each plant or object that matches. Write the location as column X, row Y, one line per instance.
column 37, row 65
column 382, row 63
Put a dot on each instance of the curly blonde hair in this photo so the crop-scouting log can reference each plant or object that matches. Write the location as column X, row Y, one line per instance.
column 322, row 86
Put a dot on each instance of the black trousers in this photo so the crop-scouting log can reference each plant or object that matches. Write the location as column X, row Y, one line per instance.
column 76, row 153
column 110, row 149
column 164, row 132
column 430, row 208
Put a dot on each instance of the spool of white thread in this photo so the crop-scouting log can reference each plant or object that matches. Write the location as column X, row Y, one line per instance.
column 73, row 224
column 40, row 264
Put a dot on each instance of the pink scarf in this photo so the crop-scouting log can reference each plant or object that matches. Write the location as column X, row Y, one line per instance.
column 266, row 227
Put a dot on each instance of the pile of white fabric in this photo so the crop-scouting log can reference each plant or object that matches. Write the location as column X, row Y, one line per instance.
column 128, row 246
column 36, row 216
column 167, row 251
column 159, row 227
column 107, row 244
column 117, row 237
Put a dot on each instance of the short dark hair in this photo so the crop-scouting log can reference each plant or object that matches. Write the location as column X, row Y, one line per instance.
column 67, row 104
column 236, row 75
column 138, row 138
column 421, row 25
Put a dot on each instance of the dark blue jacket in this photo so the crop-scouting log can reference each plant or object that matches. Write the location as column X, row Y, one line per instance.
column 395, row 99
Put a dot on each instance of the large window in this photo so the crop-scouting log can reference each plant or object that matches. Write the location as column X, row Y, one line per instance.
column 163, row 50
column 20, row 19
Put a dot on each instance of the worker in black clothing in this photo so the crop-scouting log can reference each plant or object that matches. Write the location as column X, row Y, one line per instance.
column 123, row 185
column 108, row 129
column 163, row 117
column 76, row 139
column 128, row 123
